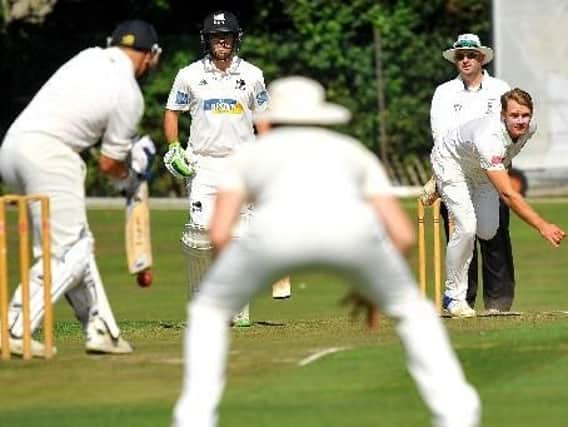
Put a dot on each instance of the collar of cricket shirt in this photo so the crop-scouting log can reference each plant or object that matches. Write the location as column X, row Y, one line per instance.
column 210, row 67
column 484, row 74
column 508, row 140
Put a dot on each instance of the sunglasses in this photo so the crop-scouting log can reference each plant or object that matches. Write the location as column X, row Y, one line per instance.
column 469, row 55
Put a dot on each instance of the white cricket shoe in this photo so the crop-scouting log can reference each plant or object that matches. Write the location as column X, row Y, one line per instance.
column 458, row 308
column 99, row 340
column 282, row 289
column 17, row 347
column 37, row 348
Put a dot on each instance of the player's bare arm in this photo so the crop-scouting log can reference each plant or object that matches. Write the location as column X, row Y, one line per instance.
column 116, row 169
column 171, row 130
column 227, row 211
column 396, row 221
column 513, row 199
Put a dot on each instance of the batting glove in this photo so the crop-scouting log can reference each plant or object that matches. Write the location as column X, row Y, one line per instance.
column 142, row 156
column 129, row 184
column 177, row 162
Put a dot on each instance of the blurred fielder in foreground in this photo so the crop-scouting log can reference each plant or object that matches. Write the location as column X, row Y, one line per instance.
column 297, row 176
column 470, row 165
column 93, row 97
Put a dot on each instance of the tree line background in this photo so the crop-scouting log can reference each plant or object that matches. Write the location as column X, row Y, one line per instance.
column 345, row 45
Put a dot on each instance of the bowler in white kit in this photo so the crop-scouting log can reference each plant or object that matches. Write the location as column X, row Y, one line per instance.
column 470, row 165
column 322, row 199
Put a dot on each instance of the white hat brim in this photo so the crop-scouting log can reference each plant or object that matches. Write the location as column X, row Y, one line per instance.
column 487, row 53
column 326, row 113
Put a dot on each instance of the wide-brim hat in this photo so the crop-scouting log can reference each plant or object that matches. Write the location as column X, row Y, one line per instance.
column 468, row 42
column 300, row 100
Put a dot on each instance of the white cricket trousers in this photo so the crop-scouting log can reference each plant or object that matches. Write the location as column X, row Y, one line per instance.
column 475, row 211
column 361, row 250
column 38, row 163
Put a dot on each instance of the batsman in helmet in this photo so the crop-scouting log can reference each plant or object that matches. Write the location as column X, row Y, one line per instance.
column 220, row 91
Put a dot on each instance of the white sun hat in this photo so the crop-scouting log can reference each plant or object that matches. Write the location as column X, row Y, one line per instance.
column 300, row 100
column 468, row 42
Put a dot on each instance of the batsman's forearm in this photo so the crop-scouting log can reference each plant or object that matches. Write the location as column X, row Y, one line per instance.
column 171, row 130
column 114, row 168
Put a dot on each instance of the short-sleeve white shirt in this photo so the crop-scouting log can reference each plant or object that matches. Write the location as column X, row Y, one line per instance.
column 92, row 96
column 453, row 104
column 221, row 104
column 480, row 145
column 305, row 166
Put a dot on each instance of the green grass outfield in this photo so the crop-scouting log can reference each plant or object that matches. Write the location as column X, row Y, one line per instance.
column 519, row 364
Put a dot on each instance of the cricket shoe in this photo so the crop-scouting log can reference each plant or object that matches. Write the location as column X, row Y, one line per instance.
column 100, row 341
column 17, row 347
column 37, row 348
column 457, row 308
column 282, row 289
column 241, row 320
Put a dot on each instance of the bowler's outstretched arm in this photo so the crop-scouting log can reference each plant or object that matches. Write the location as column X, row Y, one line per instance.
column 502, row 183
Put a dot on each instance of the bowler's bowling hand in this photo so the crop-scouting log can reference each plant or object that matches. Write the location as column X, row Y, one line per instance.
column 552, row 233
column 359, row 303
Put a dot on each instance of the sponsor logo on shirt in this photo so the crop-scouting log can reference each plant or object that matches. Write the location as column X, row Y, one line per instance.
column 182, row 98
column 457, row 107
column 223, row 106
column 497, row 160
column 203, row 82
column 262, row 97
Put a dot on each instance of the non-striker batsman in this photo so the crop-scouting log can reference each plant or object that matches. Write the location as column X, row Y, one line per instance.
column 221, row 91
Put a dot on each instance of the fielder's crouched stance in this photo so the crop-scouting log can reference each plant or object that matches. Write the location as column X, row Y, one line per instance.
column 318, row 170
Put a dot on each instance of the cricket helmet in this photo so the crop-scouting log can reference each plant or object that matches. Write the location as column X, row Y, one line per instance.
column 220, row 22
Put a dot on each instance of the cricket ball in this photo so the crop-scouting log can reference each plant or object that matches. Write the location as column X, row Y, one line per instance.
column 144, row 278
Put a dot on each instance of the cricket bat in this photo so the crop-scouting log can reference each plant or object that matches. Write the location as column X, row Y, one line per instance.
column 137, row 231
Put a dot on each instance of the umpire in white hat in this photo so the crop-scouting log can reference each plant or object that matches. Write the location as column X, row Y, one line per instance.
column 322, row 200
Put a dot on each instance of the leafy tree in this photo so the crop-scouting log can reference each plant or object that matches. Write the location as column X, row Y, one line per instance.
column 330, row 40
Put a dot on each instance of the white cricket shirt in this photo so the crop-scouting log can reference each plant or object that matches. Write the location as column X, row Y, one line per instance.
column 221, row 104
column 453, row 104
column 92, row 96
column 310, row 170
column 481, row 145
